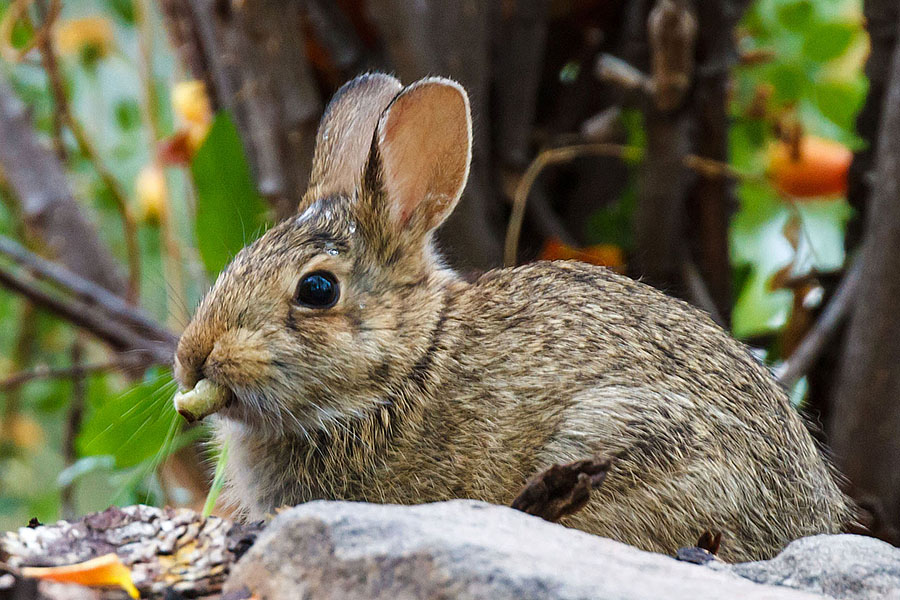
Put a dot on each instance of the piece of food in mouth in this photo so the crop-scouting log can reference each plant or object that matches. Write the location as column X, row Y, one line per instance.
column 203, row 400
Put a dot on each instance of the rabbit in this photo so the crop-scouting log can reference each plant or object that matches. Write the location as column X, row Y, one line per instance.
column 345, row 360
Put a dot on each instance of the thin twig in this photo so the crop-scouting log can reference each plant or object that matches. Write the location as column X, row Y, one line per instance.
column 172, row 262
column 50, row 64
column 85, row 290
column 615, row 70
column 698, row 290
column 703, row 166
column 541, row 161
column 87, row 148
column 815, row 342
column 74, row 416
column 44, row 372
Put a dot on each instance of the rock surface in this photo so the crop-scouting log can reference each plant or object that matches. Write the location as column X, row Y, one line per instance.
column 466, row 549
column 460, row 549
column 849, row 567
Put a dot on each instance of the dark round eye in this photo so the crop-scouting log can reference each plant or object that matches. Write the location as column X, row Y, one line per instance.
column 318, row 289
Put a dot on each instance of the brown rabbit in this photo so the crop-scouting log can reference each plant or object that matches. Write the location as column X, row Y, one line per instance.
column 347, row 362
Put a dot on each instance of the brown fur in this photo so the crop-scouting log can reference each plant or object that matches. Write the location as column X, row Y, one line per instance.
column 418, row 386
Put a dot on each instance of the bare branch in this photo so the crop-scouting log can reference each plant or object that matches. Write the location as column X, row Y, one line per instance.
column 95, row 321
column 816, row 341
column 672, row 31
column 703, row 166
column 85, row 290
column 36, row 176
column 44, row 372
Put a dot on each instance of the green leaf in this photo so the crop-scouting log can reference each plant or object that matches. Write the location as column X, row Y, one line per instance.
column 757, row 240
column 123, row 9
column 789, row 81
column 822, row 240
column 827, row 41
column 796, row 16
column 229, row 210
column 128, row 114
column 759, row 310
column 135, row 426
column 218, row 483
column 757, row 229
column 840, row 101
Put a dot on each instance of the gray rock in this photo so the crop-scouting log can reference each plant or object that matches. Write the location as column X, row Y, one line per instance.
column 850, row 567
column 463, row 549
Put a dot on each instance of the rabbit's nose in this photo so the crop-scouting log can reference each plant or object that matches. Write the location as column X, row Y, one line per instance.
column 187, row 370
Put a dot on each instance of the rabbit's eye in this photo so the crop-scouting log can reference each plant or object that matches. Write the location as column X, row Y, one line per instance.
column 318, row 289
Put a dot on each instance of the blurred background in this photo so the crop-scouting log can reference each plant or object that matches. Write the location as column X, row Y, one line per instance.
column 740, row 154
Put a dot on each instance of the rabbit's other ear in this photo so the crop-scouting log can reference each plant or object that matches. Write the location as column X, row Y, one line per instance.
column 420, row 155
column 345, row 134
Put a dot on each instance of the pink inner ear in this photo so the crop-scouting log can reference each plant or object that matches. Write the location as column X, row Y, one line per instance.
column 424, row 143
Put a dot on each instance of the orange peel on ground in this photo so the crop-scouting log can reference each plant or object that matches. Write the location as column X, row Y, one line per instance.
column 106, row 570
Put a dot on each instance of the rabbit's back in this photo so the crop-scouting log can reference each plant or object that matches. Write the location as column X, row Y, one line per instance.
column 553, row 362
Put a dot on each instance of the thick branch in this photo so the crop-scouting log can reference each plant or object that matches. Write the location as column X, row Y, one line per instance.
column 438, row 37
column 519, row 40
column 252, row 57
column 132, row 345
column 711, row 202
column 866, row 408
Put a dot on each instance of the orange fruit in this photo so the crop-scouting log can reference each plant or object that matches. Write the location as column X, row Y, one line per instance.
column 605, row 255
column 815, row 167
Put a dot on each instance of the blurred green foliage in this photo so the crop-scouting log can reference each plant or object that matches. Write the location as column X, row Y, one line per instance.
column 229, row 211
column 813, row 75
column 816, row 78
column 128, row 427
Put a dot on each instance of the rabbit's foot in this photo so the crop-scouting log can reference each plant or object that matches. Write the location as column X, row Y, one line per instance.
column 562, row 490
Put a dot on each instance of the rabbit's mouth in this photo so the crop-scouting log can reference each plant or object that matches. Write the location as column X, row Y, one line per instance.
column 204, row 399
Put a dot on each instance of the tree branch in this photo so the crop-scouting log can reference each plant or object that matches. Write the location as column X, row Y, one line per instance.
column 50, row 211
column 816, row 341
column 85, row 290
column 44, row 372
column 134, row 346
column 253, row 59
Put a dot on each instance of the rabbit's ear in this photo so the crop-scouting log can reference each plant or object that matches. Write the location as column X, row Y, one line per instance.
column 420, row 155
column 345, row 134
